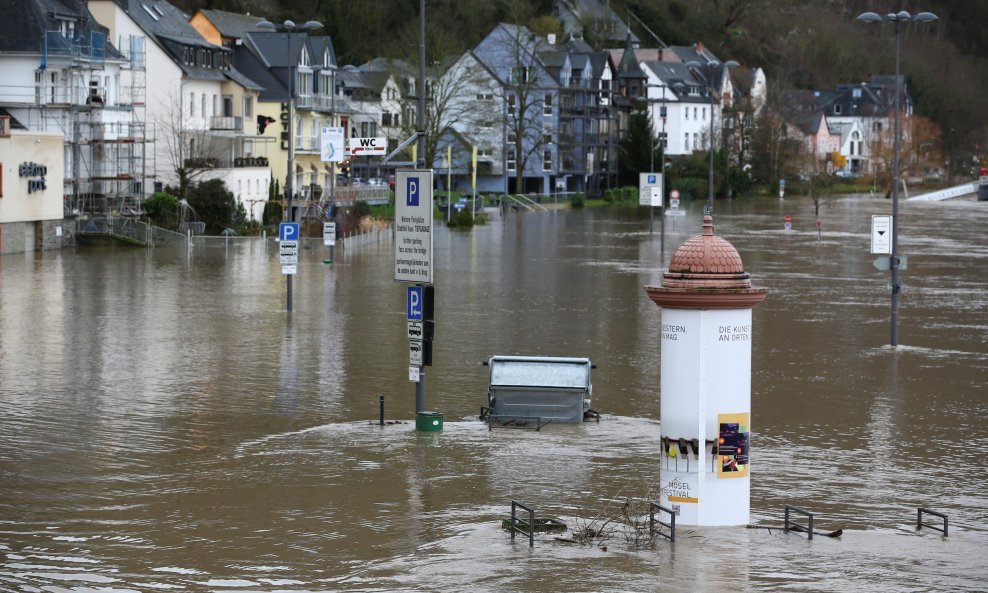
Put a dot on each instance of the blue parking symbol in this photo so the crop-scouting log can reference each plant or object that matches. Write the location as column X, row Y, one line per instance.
column 412, row 187
column 288, row 231
column 414, row 308
column 651, row 179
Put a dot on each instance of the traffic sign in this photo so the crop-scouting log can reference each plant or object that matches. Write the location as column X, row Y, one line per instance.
column 368, row 146
column 288, row 231
column 674, row 194
column 413, row 373
column 415, row 353
column 413, row 226
column 332, row 146
column 288, row 252
column 329, row 233
column 646, row 183
column 415, row 304
column 415, row 330
column 881, row 234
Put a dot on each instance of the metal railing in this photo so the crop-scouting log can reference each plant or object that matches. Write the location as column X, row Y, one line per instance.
column 531, row 522
column 223, row 122
column 919, row 520
column 511, row 421
column 652, row 506
column 808, row 528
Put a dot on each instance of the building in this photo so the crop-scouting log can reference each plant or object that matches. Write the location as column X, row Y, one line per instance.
column 31, row 189
column 197, row 102
column 63, row 75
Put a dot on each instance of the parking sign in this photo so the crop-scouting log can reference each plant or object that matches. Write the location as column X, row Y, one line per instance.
column 414, row 308
column 288, row 231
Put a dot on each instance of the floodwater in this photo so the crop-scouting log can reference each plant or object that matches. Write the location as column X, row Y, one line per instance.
column 167, row 425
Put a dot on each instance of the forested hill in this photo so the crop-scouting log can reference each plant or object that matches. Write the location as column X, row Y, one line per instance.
column 799, row 43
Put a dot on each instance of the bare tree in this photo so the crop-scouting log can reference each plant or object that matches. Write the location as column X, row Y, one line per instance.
column 187, row 143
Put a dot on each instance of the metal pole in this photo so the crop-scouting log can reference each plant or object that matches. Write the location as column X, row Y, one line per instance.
column 710, row 190
column 894, row 315
column 421, row 157
column 291, row 156
column 662, row 168
column 420, row 392
column 651, row 159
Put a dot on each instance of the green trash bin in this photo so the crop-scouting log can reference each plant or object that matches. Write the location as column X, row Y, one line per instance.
column 429, row 421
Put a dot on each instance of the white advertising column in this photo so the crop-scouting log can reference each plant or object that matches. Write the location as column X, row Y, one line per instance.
column 707, row 300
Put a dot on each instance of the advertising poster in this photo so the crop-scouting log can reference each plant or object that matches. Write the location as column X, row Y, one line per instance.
column 734, row 439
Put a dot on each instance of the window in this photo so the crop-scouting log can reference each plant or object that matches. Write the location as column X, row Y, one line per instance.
column 386, row 119
column 216, row 107
column 192, row 104
column 547, row 105
column 190, row 55
column 547, row 138
column 836, row 109
column 704, row 116
column 512, row 138
column 547, row 160
column 485, row 97
column 511, row 104
column 485, row 152
column 150, row 12
column 686, row 113
column 203, row 112
column 695, row 113
column 696, row 140
column 686, row 140
column 877, row 126
column 512, row 165
column 207, row 58
column 521, row 75
column 248, row 106
column 304, row 58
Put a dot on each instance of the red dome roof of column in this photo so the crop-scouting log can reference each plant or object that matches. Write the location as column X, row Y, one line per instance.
column 706, row 272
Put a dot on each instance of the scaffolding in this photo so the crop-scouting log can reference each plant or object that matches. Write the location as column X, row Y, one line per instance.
column 103, row 118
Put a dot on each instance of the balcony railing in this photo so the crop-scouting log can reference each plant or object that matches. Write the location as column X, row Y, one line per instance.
column 237, row 163
column 222, row 122
column 328, row 103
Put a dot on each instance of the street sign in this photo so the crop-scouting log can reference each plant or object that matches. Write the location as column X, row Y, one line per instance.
column 368, row 146
column 289, row 270
column 788, row 223
column 332, row 145
column 881, row 234
column 288, row 252
column 884, row 262
column 415, row 353
column 288, row 231
column 646, row 183
column 329, row 233
column 413, row 373
column 413, row 226
column 674, row 194
column 415, row 330
column 414, row 309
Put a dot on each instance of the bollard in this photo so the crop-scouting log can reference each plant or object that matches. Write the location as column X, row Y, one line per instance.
column 382, row 411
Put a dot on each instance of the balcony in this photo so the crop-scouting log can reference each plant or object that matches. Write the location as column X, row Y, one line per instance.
column 226, row 123
column 214, row 163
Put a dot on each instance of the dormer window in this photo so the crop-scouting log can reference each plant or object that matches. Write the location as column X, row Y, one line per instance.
column 67, row 29
column 836, row 109
column 190, row 55
column 150, row 12
column 327, row 60
column 303, row 59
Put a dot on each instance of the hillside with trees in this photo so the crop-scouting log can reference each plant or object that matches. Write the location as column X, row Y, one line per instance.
column 801, row 44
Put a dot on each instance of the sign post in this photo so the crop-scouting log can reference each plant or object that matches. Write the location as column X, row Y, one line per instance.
column 414, row 263
column 881, row 234
column 650, row 193
column 368, row 146
column 288, row 237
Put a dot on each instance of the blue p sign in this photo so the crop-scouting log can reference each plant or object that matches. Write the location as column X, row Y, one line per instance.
column 414, row 309
column 412, row 187
column 288, row 231
column 651, row 179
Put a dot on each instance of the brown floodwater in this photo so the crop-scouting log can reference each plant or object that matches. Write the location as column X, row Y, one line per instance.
column 167, row 425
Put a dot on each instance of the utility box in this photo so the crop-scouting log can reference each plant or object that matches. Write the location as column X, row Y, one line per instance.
column 540, row 388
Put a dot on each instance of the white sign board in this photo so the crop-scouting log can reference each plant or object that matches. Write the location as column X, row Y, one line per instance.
column 413, row 226
column 289, row 270
column 329, row 233
column 332, row 145
column 881, row 234
column 368, row 146
column 288, row 252
column 413, row 374
column 647, row 181
column 415, row 353
column 414, row 330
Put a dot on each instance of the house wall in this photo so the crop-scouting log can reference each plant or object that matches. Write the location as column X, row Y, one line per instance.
column 31, row 205
column 249, row 186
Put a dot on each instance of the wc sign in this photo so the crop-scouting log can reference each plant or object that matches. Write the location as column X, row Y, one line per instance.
column 368, row 146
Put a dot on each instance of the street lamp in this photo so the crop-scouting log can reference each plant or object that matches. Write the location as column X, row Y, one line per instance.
column 897, row 18
column 289, row 27
column 711, row 68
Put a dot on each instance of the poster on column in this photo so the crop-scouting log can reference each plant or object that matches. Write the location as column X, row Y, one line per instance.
column 734, row 439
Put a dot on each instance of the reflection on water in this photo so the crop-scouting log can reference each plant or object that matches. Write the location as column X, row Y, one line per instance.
column 168, row 425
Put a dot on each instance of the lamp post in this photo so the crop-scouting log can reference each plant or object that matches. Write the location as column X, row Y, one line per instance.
column 289, row 27
column 897, row 18
column 710, row 69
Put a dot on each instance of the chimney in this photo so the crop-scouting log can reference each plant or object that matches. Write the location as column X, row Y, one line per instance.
column 699, row 47
column 660, row 52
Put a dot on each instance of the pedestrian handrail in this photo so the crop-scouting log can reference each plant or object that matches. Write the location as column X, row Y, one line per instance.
column 531, row 522
column 652, row 506
column 511, row 421
column 799, row 527
column 919, row 520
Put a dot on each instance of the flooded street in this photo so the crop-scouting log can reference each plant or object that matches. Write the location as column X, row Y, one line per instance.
column 167, row 425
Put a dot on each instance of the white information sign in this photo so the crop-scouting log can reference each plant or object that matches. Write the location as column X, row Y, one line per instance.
column 368, row 146
column 332, row 145
column 414, row 330
column 289, row 270
column 415, row 353
column 288, row 252
column 413, row 374
column 881, row 234
column 329, row 233
column 413, row 226
column 647, row 181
